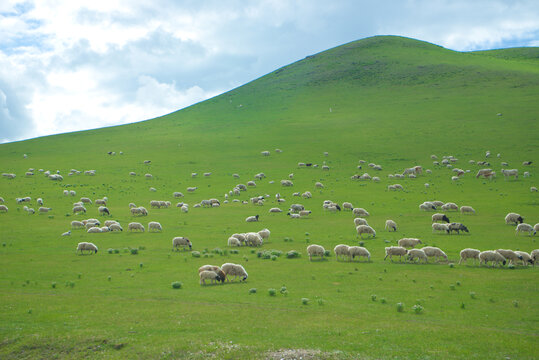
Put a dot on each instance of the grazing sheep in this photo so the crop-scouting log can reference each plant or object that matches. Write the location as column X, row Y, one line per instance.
column 342, row 250
column 177, row 194
column 39, row 201
column 83, row 246
column 1, row 200
column 318, row 185
column 264, row 234
column 467, row 210
column 252, row 218
column 103, row 210
column 304, row 213
column 409, row 242
column 181, row 241
column 67, row 233
column 155, row 226
column 347, row 206
column 360, row 212
column 240, row 237
column 458, row 227
column 525, row 257
column 536, row 227
column 435, row 252
column 105, row 229
column 509, row 255
column 275, row 210
column 390, row 224
column 253, row 239
column 93, row 229
column 417, row 254
column 4, row 208
column 440, row 227
column 232, row 241
column 307, row 195
column 148, row 176
column 85, row 200
column 395, row 250
column 365, row 229
column 287, row 183
column 360, row 221
column 234, row 269
column 184, row 208
column 78, row 209
column 469, row 253
column 293, row 216
column 207, row 174
column 535, row 256
column 101, row 202
column 75, row 224
column 139, row 211
column 110, row 222
column 440, row 217
column 132, row 173
column 115, row 227
column 450, row 206
column 359, row 251
column 526, row 163
column 512, row 172
column 490, row 255
column 135, row 226
column 513, row 218
column 315, row 250
column 533, row 189
column 525, row 228
column 209, row 275
column 191, row 188
column 265, row 153
column 43, row 210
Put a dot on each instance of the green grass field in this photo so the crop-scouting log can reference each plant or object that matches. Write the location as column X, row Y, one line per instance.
column 388, row 100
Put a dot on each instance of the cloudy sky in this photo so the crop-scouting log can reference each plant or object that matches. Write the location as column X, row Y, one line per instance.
column 70, row 65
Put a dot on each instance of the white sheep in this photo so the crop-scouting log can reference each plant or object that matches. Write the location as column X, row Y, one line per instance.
column 43, row 210
column 4, row 208
column 390, row 224
column 191, row 188
column 135, row 226
column 105, row 229
column 275, row 210
column 395, row 250
column 347, row 206
column 525, row 257
column 409, row 242
column 435, row 252
column 184, row 208
column 510, row 255
column 67, row 233
column 525, row 228
column 450, row 206
column 440, row 227
column 264, row 234
column 342, row 250
column 533, row 189
column 93, row 229
column 513, row 218
column 209, row 275
column 318, row 185
column 304, row 213
column 359, row 251
column 315, row 250
column 360, row 212
column 252, row 218
column 115, row 227
column 155, row 226
column 427, row 206
column 83, row 246
column 85, row 200
column 39, row 201
column 360, row 221
column 440, row 217
column 75, row 224
column 232, row 241
column 234, row 270
column 467, row 210
column 510, row 172
column 103, row 210
column 139, row 211
column 490, row 255
column 469, row 253
column 181, row 241
column 253, row 239
column 365, row 229
column 535, row 256
column 417, row 254
column 78, row 209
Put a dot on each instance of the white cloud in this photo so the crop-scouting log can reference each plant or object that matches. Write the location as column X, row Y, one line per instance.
column 70, row 65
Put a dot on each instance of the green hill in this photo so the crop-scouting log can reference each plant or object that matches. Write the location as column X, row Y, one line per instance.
column 387, row 100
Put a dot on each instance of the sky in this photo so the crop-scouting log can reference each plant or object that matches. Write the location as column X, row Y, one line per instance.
column 75, row 65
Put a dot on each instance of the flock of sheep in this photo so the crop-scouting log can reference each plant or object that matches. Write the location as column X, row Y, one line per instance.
column 406, row 246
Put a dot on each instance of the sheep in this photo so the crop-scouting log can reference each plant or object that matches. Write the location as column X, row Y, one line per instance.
column 148, row 176
column 365, row 229
column 132, row 173
column 533, row 189
column 93, row 221
column 265, row 153
column 101, row 202
column 395, row 250
column 93, row 229
column 75, row 224
column 360, row 212
column 417, row 254
column 253, row 239
column 440, row 217
column 526, row 163
column 72, row 192
column 177, row 194
column 85, row 200
column 139, row 211
column 525, row 257
column 135, row 226
column 105, row 229
column 469, row 253
column 4, row 208
column 110, row 222
column 78, row 209
column 287, row 183
column 490, row 255
column 435, row 252
column 67, row 233
column 536, row 227
column 184, row 208
column 307, row 195
column 275, row 210
column 467, row 210
column 408, row 242
column 293, row 216
column 191, row 188
column 318, row 185
column 252, row 218
column 360, row 221
column 1, row 200
column 359, row 252
column 440, row 227
column 181, row 241
column 450, row 206
column 264, row 234
column 232, row 241
column 535, row 256
column 115, row 227
column 509, row 255
column 390, row 224
column 209, row 275
column 240, row 237
column 342, row 250
column 513, row 218
column 525, row 228
column 43, row 210
column 39, row 201
column 296, row 208
column 347, row 206
column 206, row 174
column 315, row 250
column 304, row 213
column 234, row 269
column 82, row 246
column 155, row 226
column 103, row 210
column 512, row 172
column 458, row 227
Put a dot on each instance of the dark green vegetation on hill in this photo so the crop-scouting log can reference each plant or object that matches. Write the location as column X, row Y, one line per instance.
column 388, row 100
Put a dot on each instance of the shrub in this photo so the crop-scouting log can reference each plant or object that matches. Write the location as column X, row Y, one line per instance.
column 292, row 254
column 362, row 243
column 177, row 285
column 452, row 286
column 515, row 303
column 53, row 284
column 472, row 294
column 142, row 247
column 110, row 251
column 79, row 275
column 109, row 278
column 383, row 300
column 458, row 283
column 327, row 253
column 321, row 302
column 234, row 251
column 305, row 301
column 116, row 251
column 451, row 265
column 252, row 291
column 283, row 290
column 418, row 309
column 141, row 265
column 195, row 254
column 134, row 251
column 373, row 297
column 273, row 257
column 400, row 307
column 462, row 306
column 272, row 292
column 511, row 266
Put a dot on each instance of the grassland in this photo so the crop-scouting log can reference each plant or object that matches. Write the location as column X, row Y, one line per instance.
column 394, row 102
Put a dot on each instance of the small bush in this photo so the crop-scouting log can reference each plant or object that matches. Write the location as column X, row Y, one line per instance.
column 400, row 307
column 321, row 302
column 272, row 292
column 110, row 251
column 515, row 303
column 362, row 243
column 252, row 291
column 116, row 251
column 472, row 295
column 283, row 290
column 305, row 301
column 109, row 278
column 462, row 306
column 418, row 309
column 79, row 275
column 511, row 266
column 458, row 283
column 30, row 311
column 273, row 257
column 452, row 286
column 70, row 284
column 142, row 247
column 53, row 284
column 234, row 251
column 141, row 265
column 292, row 254
column 177, row 285
column 195, row 254
column 327, row 253
column 451, row 265
column 373, row 297
column 383, row 300
column 134, row 251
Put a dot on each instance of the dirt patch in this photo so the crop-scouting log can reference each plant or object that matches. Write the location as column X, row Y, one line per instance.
column 303, row 354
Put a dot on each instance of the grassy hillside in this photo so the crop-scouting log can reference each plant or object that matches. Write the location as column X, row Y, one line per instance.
column 387, row 100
